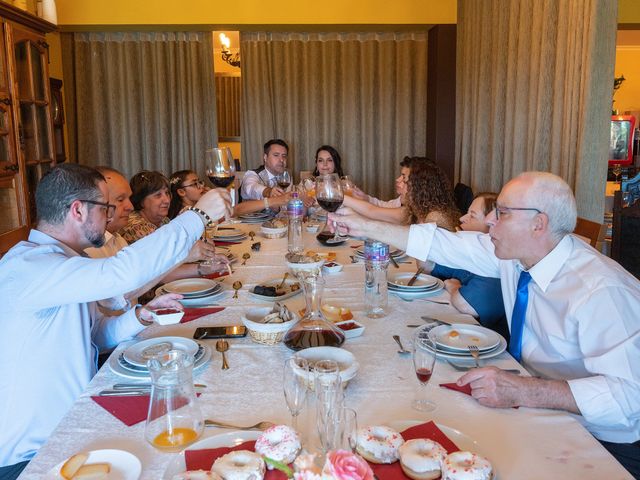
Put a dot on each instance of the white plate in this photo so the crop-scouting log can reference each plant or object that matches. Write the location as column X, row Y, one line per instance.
column 502, row 346
column 419, row 294
column 395, row 253
column 230, row 239
column 229, row 232
column 116, row 368
column 133, row 354
column 229, row 439
column 124, row 465
column 255, row 215
column 191, row 286
column 137, row 369
column 483, row 338
column 463, row 441
column 195, row 301
column 344, row 358
column 402, row 279
column 274, row 282
column 214, row 291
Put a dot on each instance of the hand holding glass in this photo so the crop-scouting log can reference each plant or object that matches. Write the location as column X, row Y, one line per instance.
column 330, row 197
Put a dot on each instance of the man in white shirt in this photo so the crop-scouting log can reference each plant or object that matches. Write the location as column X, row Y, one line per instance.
column 581, row 310
column 51, row 329
column 261, row 182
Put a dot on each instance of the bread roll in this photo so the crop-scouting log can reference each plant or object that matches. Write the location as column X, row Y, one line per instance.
column 72, row 465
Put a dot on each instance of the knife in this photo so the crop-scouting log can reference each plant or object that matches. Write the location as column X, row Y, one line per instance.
column 393, row 260
column 415, row 277
column 431, row 319
column 124, row 393
column 144, row 386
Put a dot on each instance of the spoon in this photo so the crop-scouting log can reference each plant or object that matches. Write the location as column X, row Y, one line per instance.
column 257, row 426
column 222, row 346
column 402, row 350
column 281, row 284
column 252, row 234
column 237, row 285
column 246, row 257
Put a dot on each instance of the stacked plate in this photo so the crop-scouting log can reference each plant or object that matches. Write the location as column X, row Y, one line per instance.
column 229, row 234
column 453, row 341
column 424, row 285
column 257, row 217
column 132, row 361
column 193, row 290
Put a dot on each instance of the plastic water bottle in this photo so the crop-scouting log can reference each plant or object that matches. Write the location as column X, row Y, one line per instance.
column 295, row 212
column 376, row 261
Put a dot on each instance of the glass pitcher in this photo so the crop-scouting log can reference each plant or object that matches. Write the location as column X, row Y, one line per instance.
column 313, row 330
column 174, row 419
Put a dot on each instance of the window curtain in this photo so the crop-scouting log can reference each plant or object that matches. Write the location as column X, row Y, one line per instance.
column 363, row 93
column 140, row 100
column 534, row 88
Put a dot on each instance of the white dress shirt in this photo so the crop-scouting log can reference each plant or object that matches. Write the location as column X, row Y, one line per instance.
column 253, row 184
column 394, row 203
column 50, row 326
column 582, row 322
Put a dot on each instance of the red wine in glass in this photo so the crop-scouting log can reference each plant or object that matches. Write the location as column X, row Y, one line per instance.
column 423, row 374
column 221, row 181
column 330, row 204
column 283, row 184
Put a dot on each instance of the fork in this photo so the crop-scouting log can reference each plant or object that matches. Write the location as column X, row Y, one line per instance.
column 473, row 350
column 257, row 426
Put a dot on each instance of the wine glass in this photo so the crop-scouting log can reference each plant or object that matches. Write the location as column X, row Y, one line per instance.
column 284, row 180
column 617, row 170
column 295, row 386
column 221, row 168
column 330, row 197
column 348, row 431
column 424, row 360
column 347, row 185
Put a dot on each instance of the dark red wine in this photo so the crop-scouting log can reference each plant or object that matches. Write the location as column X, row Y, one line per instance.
column 298, row 340
column 423, row 374
column 284, row 185
column 330, row 205
column 221, row 182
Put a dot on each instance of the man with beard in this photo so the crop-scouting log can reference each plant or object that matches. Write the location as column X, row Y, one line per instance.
column 51, row 330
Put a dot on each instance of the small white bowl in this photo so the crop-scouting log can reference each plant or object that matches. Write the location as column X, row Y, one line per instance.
column 312, row 268
column 172, row 316
column 273, row 232
column 353, row 332
column 312, row 227
column 331, row 267
column 345, row 359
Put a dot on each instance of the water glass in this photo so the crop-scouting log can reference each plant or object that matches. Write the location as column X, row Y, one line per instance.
column 295, row 386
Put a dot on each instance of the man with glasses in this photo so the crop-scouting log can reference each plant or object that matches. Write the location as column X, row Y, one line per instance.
column 573, row 313
column 50, row 329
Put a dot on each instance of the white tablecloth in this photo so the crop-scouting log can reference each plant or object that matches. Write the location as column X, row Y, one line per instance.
column 521, row 443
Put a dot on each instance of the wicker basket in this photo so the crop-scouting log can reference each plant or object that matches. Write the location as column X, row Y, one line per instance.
column 265, row 333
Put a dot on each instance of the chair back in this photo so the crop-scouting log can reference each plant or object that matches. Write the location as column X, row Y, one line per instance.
column 463, row 197
column 589, row 230
column 625, row 235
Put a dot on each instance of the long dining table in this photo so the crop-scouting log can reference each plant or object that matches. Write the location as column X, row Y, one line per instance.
column 521, row 443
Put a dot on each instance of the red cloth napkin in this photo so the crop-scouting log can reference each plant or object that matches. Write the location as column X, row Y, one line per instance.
column 195, row 313
column 466, row 389
column 128, row 409
column 203, row 459
column 222, row 244
column 425, row 430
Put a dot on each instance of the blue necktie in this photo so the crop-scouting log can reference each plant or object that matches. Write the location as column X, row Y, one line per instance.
column 519, row 312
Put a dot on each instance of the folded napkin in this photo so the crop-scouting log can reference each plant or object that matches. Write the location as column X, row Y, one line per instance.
column 129, row 409
column 195, row 313
column 466, row 389
column 425, row 430
column 203, row 459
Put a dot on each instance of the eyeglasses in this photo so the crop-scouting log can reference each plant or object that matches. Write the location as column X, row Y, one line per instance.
column 109, row 208
column 502, row 210
column 198, row 183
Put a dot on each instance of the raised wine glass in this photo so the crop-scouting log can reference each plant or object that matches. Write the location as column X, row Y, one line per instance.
column 347, row 185
column 284, row 180
column 424, row 360
column 330, row 197
column 296, row 379
column 221, row 168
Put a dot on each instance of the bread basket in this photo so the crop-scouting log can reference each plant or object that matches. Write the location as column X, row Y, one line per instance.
column 266, row 333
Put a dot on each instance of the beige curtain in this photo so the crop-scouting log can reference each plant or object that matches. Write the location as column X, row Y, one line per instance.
column 140, row 100
column 363, row 93
column 534, row 88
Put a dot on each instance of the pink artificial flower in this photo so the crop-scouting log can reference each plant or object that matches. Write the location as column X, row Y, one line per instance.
column 344, row 465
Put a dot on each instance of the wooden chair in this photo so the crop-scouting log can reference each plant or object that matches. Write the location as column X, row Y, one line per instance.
column 589, row 230
column 625, row 235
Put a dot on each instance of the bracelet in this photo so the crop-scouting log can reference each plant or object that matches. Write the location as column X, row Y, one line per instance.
column 206, row 219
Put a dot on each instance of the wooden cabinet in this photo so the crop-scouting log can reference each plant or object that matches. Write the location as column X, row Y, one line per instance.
column 26, row 125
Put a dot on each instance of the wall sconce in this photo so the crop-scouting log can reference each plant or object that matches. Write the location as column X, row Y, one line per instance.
column 233, row 60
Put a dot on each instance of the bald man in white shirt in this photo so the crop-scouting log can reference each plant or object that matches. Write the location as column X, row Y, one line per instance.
column 578, row 312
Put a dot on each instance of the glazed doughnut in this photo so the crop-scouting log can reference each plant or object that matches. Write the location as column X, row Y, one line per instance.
column 280, row 443
column 421, row 459
column 196, row 475
column 240, row 465
column 466, row 466
column 379, row 444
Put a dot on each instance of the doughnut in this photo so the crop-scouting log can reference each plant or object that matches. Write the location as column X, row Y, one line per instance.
column 379, row 444
column 466, row 466
column 421, row 459
column 239, row 465
column 196, row 475
column 280, row 443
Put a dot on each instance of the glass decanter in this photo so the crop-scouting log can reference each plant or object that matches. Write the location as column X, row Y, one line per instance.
column 313, row 330
column 174, row 419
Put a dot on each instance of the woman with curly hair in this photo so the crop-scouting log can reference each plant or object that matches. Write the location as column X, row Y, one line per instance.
column 428, row 198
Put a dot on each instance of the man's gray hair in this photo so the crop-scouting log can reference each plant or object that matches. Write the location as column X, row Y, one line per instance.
column 553, row 196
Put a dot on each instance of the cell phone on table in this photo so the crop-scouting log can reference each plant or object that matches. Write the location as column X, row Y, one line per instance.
column 228, row 331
